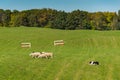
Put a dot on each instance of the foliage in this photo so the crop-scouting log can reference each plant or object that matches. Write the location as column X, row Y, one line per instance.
column 60, row 19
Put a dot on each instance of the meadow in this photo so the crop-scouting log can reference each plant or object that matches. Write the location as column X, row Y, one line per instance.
column 70, row 61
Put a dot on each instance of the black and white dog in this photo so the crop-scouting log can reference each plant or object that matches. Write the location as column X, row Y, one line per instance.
column 94, row 63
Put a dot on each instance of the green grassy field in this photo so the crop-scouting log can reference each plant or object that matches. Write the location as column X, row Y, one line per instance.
column 70, row 61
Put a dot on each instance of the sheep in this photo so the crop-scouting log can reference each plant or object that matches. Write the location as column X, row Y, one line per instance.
column 34, row 54
column 42, row 56
column 48, row 54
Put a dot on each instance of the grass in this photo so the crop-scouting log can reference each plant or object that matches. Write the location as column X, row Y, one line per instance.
column 70, row 61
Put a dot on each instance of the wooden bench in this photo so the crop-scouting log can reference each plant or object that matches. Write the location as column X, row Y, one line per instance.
column 58, row 42
column 26, row 45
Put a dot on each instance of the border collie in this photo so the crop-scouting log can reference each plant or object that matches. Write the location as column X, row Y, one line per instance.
column 94, row 63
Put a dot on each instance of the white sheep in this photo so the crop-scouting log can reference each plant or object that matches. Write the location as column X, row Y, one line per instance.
column 42, row 56
column 48, row 54
column 35, row 54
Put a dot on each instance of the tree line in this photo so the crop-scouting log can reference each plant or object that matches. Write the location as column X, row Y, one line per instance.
column 51, row 18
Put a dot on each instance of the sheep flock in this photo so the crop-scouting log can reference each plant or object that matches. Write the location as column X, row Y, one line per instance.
column 41, row 55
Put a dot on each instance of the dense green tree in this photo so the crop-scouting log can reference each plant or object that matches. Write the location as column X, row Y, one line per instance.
column 60, row 20
column 1, row 17
column 118, row 19
column 114, row 24
column 77, row 20
column 6, row 17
